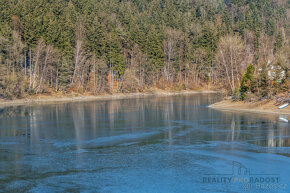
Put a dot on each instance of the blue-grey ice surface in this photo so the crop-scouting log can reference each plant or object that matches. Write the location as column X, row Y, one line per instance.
column 157, row 144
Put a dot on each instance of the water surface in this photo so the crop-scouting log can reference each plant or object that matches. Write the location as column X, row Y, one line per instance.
column 156, row 144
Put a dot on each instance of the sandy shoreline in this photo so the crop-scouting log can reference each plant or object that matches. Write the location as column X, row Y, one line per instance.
column 258, row 107
column 63, row 99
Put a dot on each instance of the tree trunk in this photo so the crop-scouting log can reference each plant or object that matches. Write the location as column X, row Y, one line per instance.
column 44, row 68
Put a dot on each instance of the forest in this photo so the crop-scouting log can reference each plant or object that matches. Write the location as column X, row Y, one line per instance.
column 111, row 46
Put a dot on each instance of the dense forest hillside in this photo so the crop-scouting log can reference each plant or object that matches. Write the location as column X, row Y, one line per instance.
column 107, row 46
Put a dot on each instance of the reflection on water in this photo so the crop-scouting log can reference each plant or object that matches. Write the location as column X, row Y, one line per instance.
column 101, row 145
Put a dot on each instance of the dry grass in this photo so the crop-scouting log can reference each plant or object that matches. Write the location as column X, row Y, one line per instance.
column 258, row 107
column 62, row 98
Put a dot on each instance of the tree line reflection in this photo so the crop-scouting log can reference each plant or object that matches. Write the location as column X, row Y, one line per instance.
column 182, row 118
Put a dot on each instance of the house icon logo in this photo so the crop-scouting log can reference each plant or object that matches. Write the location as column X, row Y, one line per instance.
column 239, row 169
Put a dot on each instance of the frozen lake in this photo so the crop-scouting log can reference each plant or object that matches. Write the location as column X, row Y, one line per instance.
column 157, row 144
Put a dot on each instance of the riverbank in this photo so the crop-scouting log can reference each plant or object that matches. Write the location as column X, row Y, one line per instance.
column 255, row 107
column 51, row 99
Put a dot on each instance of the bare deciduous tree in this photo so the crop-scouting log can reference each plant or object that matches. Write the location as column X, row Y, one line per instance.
column 230, row 60
column 170, row 47
column 34, row 66
column 79, row 57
